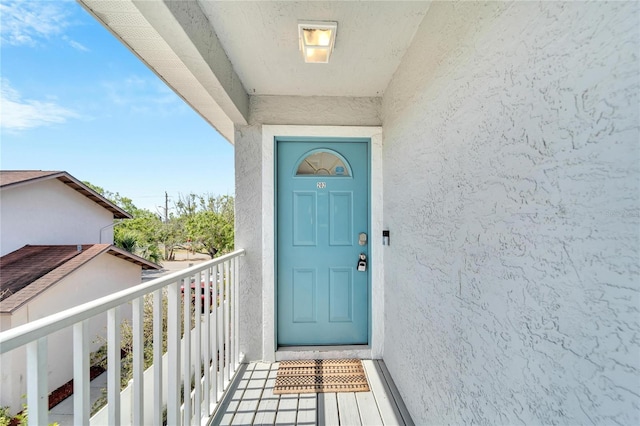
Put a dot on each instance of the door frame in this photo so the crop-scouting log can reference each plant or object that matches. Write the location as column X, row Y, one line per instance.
column 270, row 133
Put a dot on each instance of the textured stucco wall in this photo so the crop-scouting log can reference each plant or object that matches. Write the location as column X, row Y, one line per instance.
column 248, row 216
column 50, row 212
column 511, row 167
column 316, row 110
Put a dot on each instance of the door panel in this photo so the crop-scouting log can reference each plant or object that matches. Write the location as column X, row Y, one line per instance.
column 304, row 295
column 322, row 206
column 304, row 218
column 340, row 295
column 341, row 218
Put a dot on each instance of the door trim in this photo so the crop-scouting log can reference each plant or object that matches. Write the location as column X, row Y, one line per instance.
column 269, row 135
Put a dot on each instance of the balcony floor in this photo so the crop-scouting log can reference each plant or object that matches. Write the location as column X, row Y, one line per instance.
column 250, row 401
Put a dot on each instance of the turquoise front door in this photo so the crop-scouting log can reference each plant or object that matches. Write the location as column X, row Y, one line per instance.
column 322, row 229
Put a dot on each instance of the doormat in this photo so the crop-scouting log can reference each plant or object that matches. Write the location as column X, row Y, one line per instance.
column 318, row 376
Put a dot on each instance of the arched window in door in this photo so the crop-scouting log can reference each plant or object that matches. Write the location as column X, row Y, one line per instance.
column 323, row 162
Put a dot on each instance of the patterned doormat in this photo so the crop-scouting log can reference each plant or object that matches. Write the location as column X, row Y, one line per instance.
column 317, row 376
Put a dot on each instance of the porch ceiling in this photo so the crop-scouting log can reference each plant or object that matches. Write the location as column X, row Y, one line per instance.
column 261, row 40
column 216, row 54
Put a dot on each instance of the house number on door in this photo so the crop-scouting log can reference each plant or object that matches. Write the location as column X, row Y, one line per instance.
column 322, row 185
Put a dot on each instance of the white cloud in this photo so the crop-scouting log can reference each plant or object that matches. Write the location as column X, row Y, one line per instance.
column 76, row 45
column 143, row 96
column 20, row 114
column 27, row 22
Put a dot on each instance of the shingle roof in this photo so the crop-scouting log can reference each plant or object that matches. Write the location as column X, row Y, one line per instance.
column 12, row 178
column 29, row 271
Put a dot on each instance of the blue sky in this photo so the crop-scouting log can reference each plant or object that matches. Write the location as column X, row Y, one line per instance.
column 74, row 98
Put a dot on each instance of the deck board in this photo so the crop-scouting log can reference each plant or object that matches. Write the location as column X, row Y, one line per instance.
column 368, row 409
column 268, row 407
column 287, row 409
column 230, row 402
column 386, row 405
column 307, row 409
column 348, row 409
column 328, row 409
column 251, row 401
column 406, row 417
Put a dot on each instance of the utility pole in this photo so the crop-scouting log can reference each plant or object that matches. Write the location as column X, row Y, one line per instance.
column 166, row 207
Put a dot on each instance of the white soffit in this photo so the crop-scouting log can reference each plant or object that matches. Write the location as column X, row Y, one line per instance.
column 150, row 30
column 216, row 54
column 261, row 41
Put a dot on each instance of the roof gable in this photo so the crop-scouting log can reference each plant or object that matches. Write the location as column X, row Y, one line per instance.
column 14, row 178
column 22, row 267
column 27, row 272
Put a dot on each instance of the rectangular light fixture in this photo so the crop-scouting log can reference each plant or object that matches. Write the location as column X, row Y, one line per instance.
column 317, row 40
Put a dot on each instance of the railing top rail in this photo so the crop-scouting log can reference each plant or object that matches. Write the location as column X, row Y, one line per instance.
column 34, row 330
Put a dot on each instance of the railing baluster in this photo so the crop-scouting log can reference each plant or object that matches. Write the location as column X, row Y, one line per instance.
column 219, row 356
column 37, row 383
column 220, row 336
column 173, row 356
column 206, row 355
column 138, row 361
column 186, row 341
column 227, row 340
column 232, row 321
column 214, row 335
column 81, row 377
column 237, row 311
column 157, row 357
column 197, row 350
column 113, row 365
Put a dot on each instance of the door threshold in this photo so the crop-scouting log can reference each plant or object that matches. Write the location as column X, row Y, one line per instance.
column 288, row 353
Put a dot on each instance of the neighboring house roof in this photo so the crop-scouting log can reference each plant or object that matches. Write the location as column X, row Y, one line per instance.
column 27, row 272
column 13, row 178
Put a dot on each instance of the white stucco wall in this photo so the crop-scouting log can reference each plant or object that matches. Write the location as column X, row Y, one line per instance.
column 255, row 232
column 101, row 276
column 50, row 212
column 248, row 218
column 511, row 172
column 315, row 110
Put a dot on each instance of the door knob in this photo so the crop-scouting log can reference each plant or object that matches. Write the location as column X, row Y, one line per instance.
column 362, row 239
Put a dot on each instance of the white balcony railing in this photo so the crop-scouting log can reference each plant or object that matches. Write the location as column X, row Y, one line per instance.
column 209, row 353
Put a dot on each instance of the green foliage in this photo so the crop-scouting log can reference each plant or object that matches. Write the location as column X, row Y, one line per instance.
column 5, row 417
column 206, row 222
column 140, row 235
column 22, row 418
column 151, row 252
column 124, row 203
column 187, row 205
column 210, row 228
column 126, row 240
column 171, row 236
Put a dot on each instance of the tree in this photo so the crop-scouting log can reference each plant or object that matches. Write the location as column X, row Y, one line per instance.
column 172, row 235
column 207, row 221
column 124, row 203
column 138, row 235
column 144, row 228
column 210, row 228
column 187, row 205
column 126, row 240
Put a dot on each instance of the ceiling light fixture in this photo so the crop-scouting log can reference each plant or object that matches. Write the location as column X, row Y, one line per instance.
column 317, row 40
